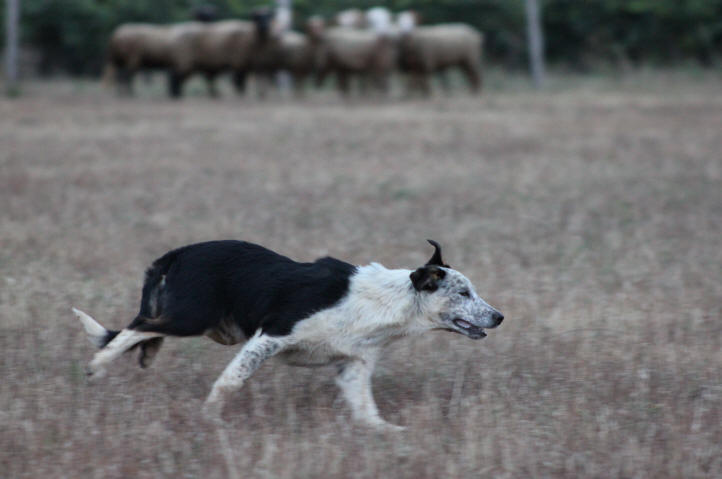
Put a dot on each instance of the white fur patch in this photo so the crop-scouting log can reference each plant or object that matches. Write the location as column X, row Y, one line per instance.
column 96, row 332
column 125, row 340
column 379, row 308
column 355, row 383
column 379, row 20
column 406, row 21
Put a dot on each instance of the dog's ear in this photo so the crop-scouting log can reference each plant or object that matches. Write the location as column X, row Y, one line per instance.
column 427, row 278
column 436, row 258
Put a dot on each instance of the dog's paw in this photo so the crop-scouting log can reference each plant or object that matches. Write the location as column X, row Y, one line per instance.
column 94, row 372
column 383, row 426
column 388, row 427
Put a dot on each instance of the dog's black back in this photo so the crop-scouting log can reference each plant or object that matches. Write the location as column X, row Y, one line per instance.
column 190, row 290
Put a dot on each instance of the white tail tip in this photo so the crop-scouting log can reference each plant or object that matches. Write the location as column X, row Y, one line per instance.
column 96, row 332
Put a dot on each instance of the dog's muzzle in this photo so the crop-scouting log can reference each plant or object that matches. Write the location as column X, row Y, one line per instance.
column 473, row 331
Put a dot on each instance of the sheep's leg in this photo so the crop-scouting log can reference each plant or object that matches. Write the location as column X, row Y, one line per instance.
column 410, row 84
column 381, row 83
column 385, row 84
column 299, row 79
column 263, row 81
column 125, row 81
column 126, row 73
column 445, row 81
column 210, row 82
column 344, row 83
column 320, row 77
column 175, row 84
column 473, row 75
column 424, row 84
column 365, row 83
column 239, row 81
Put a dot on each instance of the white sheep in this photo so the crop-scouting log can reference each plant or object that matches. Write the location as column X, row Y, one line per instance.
column 426, row 50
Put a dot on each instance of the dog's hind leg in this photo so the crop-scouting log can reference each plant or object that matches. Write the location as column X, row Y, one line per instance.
column 125, row 340
column 354, row 379
column 259, row 348
column 148, row 349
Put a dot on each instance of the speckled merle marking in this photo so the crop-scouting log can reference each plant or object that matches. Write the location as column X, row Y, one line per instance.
column 306, row 314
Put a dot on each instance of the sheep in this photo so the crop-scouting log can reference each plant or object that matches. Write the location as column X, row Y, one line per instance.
column 282, row 19
column 211, row 49
column 430, row 49
column 181, row 49
column 379, row 20
column 347, row 51
column 134, row 47
column 283, row 51
column 297, row 54
column 217, row 47
column 406, row 21
column 350, row 18
column 187, row 48
column 290, row 52
column 205, row 13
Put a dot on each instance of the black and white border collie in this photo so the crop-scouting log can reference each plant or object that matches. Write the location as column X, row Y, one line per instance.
column 308, row 314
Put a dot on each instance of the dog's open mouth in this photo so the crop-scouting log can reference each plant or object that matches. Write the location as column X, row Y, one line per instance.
column 474, row 332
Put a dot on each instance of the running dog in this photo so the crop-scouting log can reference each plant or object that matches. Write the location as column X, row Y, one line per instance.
column 308, row 314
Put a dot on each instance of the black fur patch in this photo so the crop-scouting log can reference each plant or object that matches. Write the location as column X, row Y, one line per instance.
column 436, row 258
column 427, row 278
column 191, row 289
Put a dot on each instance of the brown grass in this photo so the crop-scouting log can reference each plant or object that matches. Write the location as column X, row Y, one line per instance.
column 590, row 215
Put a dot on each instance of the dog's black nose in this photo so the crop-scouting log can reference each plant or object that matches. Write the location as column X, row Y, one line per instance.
column 498, row 317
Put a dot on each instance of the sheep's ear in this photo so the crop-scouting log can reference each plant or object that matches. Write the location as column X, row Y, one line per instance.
column 436, row 258
column 427, row 278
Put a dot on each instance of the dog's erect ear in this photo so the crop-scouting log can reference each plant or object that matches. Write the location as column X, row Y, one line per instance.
column 436, row 258
column 427, row 278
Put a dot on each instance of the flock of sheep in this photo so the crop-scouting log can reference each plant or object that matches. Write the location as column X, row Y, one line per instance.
column 368, row 45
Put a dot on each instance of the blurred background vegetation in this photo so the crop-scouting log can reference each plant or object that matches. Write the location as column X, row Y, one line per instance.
column 69, row 36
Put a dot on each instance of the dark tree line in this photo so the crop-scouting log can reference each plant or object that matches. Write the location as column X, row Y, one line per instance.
column 70, row 35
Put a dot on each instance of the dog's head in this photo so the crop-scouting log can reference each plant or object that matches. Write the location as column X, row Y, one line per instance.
column 449, row 299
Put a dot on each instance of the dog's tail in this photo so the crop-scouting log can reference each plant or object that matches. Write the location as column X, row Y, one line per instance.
column 97, row 334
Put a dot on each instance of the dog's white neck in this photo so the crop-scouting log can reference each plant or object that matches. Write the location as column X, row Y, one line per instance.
column 388, row 293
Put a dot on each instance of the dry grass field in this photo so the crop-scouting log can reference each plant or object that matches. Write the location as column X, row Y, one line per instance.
column 591, row 215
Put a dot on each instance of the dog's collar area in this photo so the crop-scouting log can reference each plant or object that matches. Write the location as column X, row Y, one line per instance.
column 465, row 327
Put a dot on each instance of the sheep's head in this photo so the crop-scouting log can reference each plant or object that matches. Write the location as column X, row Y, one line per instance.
column 315, row 28
column 262, row 17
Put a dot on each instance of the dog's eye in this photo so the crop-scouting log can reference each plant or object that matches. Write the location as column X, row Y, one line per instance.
column 465, row 294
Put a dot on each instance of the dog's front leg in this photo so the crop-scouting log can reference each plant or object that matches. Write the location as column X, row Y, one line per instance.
column 354, row 379
column 259, row 348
